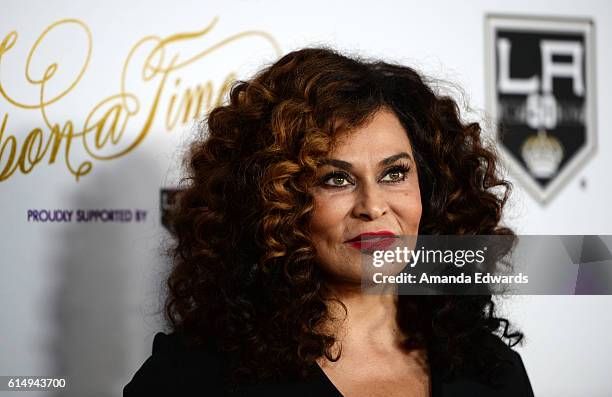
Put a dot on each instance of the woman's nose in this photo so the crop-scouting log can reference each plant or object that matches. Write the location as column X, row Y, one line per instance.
column 370, row 202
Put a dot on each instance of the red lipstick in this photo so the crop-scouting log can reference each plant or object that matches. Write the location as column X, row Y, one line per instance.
column 373, row 240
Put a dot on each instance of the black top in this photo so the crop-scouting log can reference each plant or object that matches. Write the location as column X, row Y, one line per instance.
column 174, row 370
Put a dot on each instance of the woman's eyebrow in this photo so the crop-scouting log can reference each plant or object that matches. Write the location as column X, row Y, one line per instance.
column 395, row 157
column 345, row 165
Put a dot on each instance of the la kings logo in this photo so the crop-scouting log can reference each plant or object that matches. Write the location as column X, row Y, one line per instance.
column 540, row 93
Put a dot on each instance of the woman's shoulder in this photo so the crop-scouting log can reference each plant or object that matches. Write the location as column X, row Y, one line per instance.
column 174, row 367
column 512, row 377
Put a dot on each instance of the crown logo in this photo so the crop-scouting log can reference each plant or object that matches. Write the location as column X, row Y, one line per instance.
column 542, row 154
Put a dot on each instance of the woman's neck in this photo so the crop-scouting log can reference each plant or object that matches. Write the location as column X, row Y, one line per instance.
column 370, row 319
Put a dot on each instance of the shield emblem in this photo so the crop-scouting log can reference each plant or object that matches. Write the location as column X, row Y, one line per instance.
column 541, row 97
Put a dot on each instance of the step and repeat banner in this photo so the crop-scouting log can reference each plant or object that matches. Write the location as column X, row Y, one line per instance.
column 98, row 101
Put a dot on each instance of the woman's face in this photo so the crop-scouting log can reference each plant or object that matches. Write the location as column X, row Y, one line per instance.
column 368, row 184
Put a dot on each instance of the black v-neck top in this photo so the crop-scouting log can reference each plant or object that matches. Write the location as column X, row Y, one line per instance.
column 174, row 370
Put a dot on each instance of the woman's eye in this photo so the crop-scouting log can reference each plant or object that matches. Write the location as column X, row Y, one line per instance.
column 337, row 181
column 396, row 174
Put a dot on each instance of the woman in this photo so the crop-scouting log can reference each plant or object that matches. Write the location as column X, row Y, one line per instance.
column 310, row 156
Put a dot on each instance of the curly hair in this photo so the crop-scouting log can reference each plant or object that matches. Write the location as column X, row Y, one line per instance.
column 244, row 278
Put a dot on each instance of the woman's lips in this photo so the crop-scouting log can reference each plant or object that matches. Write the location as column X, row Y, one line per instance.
column 371, row 244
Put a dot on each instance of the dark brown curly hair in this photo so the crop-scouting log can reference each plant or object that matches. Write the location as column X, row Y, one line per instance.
column 244, row 278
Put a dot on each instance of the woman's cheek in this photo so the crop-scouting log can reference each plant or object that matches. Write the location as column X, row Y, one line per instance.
column 335, row 207
column 325, row 215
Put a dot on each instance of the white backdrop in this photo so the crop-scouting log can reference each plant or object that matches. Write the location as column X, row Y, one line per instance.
column 79, row 299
